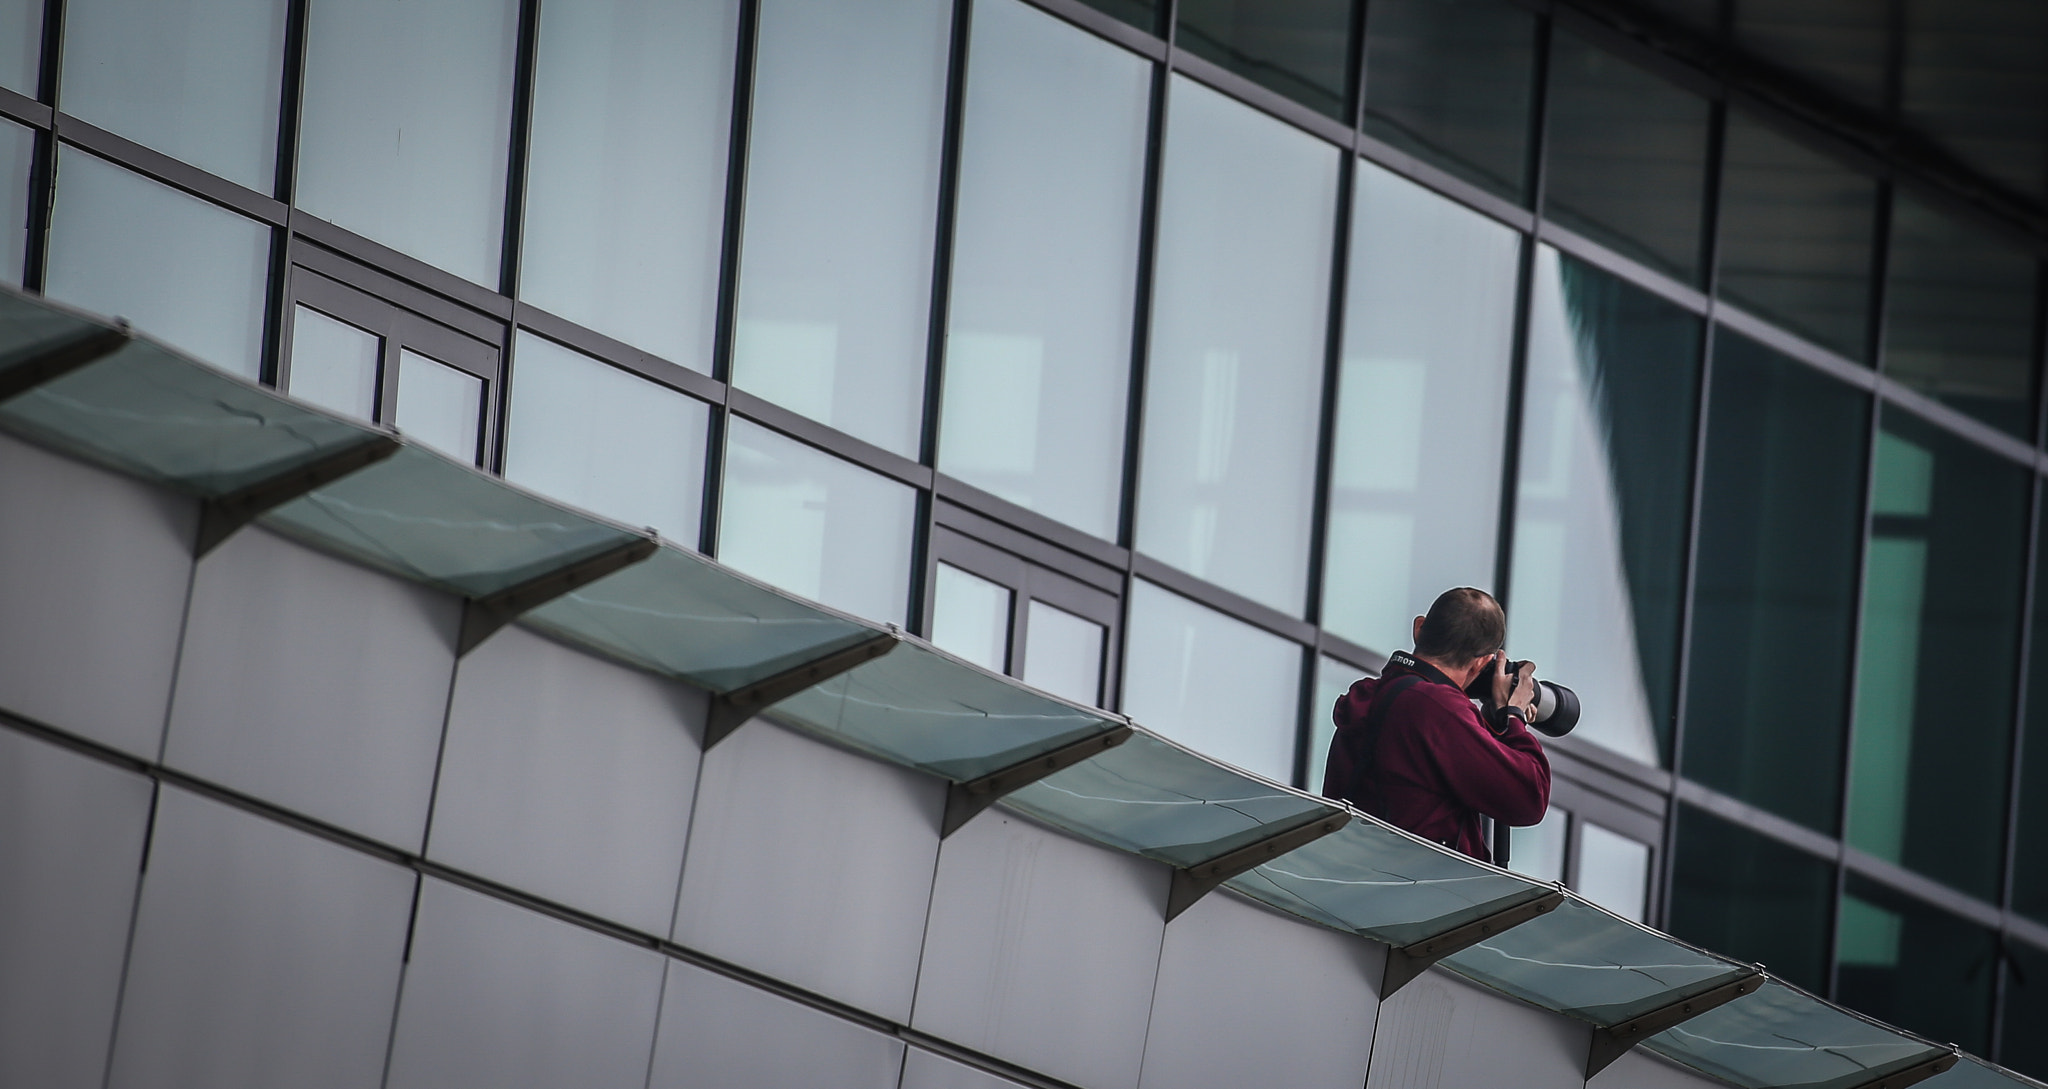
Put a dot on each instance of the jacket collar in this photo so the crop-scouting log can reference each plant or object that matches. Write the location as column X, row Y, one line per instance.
column 1409, row 663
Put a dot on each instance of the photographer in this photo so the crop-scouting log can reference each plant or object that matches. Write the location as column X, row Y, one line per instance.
column 1412, row 749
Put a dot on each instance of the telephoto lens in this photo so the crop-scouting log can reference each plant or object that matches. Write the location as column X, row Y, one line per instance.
column 1556, row 710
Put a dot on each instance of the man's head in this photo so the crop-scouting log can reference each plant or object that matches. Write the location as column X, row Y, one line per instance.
column 1464, row 627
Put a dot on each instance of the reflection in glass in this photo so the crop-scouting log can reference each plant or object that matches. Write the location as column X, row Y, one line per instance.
column 835, row 280
column 1333, row 679
column 1429, row 329
column 1538, row 850
column 1843, row 46
column 195, row 79
column 1929, row 753
column 1797, row 235
column 1300, row 49
column 1626, row 160
column 1238, row 338
column 334, row 364
column 2023, row 1046
column 439, row 405
column 1143, row 14
column 1063, row 653
column 406, row 125
column 2030, row 881
column 21, row 45
column 971, row 618
column 1614, row 871
column 625, row 187
column 1211, row 682
column 1774, row 590
column 1045, row 254
column 1750, row 897
column 17, row 158
column 191, row 273
column 1606, row 469
column 1920, row 969
column 1454, row 82
column 814, row 525
column 605, row 440
column 1959, row 317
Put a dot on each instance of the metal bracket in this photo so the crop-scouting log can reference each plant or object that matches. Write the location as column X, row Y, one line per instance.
column 730, row 709
column 483, row 616
column 61, row 359
column 1916, row 1073
column 1191, row 883
column 964, row 800
column 1406, row 962
column 1613, row 1042
column 222, row 515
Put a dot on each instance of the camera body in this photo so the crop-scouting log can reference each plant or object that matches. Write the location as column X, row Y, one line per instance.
column 1556, row 710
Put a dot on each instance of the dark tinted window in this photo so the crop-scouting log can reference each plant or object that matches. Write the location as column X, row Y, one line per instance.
column 2030, row 879
column 1453, row 82
column 1921, row 969
column 1143, row 14
column 1301, row 49
column 1752, row 898
column 2024, row 1046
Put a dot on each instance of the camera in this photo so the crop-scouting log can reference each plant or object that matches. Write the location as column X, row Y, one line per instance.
column 1556, row 710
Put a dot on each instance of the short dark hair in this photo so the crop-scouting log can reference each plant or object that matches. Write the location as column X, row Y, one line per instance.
column 1462, row 624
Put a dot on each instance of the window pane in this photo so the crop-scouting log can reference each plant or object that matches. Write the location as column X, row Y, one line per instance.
column 1774, row 593
column 1614, row 870
column 1921, row 969
column 605, row 440
column 1959, row 317
column 1422, row 403
column 1796, row 237
column 815, row 525
column 1063, row 654
column 406, row 125
column 1928, row 762
column 21, row 45
column 2030, row 880
column 1215, row 684
column 439, row 405
column 1538, row 850
column 1453, row 82
column 1627, row 157
column 1738, row 893
column 971, row 618
column 2024, row 1047
column 835, row 280
column 1300, row 49
column 625, row 197
column 1143, row 14
column 1240, row 304
column 1601, row 506
column 17, row 158
column 1045, row 254
column 334, row 364
column 1333, row 679
column 195, row 79
column 192, row 273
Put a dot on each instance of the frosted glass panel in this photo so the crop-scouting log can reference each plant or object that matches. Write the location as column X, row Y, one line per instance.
column 1538, row 850
column 17, row 155
column 1614, row 871
column 439, row 405
column 1063, row 654
column 1214, row 684
column 334, row 364
column 21, row 44
column 971, row 618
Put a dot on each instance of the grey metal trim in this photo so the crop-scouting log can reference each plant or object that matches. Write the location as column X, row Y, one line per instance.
column 1406, row 962
column 1613, row 1042
column 222, row 515
column 730, row 709
column 1918, row 1072
column 965, row 800
column 483, row 616
column 57, row 361
column 1191, row 883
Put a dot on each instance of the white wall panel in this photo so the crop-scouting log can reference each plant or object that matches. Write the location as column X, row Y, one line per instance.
column 925, row 1070
column 719, row 1033
column 1440, row 1031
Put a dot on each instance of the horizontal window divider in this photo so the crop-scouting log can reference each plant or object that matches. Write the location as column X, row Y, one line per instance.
column 340, row 281
column 1639, row 818
column 1223, row 601
column 1272, row 103
column 1352, row 654
column 1636, row 273
column 1104, row 25
column 2027, row 930
column 974, row 511
column 618, row 353
column 397, row 265
column 825, row 437
column 1926, row 889
column 19, row 107
column 1648, row 43
column 1759, row 820
column 1794, row 346
column 1446, row 184
column 175, row 173
column 1619, row 769
column 1965, row 426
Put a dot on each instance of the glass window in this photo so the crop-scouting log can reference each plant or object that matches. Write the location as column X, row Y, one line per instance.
column 1143, row 14
column 815, row 525
column 1240, row 302
column 189, row 272
column 1626, row 158
column 1333, row 679
column 1921, row 969
column 1601, row 505
column 625, row 187
column 1614, row 871
column 21, row 45
column 1300, row 49
column 406, row 125
column 1063, row 653
column 606, row 440
column 1045, row 256
column 439, row 405
column 1739, row 893
column 1929, row 755
column 195, row 79
column 1796, row 237
column 334, row 364
column 1454, row 82
column 2023, row 1046
column 835, row 279
column 1840, row 45
column 1422, row 401
column 1959, row 317
column 1538, row 850
column 971, row 618
column 1774, row 590
column 17, row 158
column 1212, row 683
column 2030, row 881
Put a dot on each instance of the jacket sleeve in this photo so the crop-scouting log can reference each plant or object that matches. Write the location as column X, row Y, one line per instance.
column 1505, row 776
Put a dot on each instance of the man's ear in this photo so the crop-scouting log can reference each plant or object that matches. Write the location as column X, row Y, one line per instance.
column 1415, row 631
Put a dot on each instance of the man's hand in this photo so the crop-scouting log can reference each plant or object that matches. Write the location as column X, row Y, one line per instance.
column 1517, row 690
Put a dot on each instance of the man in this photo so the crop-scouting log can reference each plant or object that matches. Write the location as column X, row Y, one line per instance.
column 1413, row 750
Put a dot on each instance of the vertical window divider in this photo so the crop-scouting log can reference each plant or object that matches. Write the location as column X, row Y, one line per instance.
column 726, row 318
column 526, row 64
column 2015, row 771
column 1326, row 444
column 1518, row 360
column 43, row 167
column 284, row 241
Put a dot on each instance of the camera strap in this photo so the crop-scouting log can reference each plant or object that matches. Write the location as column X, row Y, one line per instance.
column 1365, row 754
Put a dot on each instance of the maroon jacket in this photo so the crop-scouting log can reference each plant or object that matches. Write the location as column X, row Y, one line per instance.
column 1437, row 765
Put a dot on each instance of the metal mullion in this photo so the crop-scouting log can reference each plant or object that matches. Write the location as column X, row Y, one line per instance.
column 739, row 127
column 2017, row 752
column 1326, row 447
column 284, row 186
column 518, row 156
column 49, row 75
column 1525, row 298
column 42, row 196
column 801, row 428
column 169, row 171
column 15, row 106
